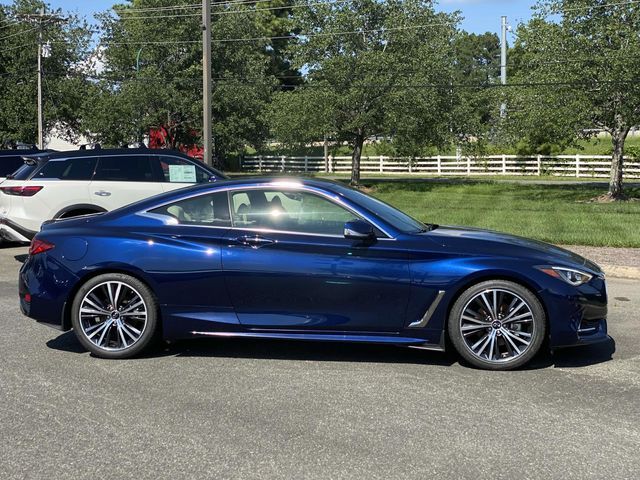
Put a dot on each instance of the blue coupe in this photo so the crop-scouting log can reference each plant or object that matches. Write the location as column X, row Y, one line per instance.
column 306, row 260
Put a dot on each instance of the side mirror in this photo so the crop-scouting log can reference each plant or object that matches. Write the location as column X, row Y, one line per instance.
column 359, row 230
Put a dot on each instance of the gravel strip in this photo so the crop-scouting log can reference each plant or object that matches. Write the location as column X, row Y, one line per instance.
column 620, row 257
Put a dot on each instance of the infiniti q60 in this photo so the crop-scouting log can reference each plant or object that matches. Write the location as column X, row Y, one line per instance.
column 309, row 260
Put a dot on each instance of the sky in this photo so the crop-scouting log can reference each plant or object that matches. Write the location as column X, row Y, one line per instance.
column 479, row 15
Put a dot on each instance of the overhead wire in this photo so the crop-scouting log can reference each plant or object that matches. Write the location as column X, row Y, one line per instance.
column 280, row 37
column 232, row 12
column 19, row 33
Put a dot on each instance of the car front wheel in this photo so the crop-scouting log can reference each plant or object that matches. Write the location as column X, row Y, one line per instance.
column 114, row 315
column 497, row 325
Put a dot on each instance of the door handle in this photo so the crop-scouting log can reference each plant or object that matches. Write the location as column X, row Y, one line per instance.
column 102, row 193
column 254, row 241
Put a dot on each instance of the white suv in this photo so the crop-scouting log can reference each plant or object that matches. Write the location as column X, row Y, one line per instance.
column 53, row 185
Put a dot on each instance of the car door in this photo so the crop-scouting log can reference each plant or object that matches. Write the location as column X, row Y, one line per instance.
column 175, row 172
column 187, row 264
column 122, row 179
column 288, row 265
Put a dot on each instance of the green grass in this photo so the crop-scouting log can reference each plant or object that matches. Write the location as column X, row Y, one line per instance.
column 592, row 146
column 600, row 146
column 552, row 213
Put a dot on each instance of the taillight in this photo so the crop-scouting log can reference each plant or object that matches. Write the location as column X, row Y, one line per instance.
column 26, row 191
column 39, row 246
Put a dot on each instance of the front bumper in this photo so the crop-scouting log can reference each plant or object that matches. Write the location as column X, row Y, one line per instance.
column 577, row 315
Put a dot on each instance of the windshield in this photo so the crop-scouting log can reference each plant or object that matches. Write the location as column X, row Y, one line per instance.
column 386, row 212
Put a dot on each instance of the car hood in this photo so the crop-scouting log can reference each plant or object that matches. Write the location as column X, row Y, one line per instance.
column 477, row 241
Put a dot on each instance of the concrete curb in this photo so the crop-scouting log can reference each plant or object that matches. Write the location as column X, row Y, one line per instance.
column 617, row 271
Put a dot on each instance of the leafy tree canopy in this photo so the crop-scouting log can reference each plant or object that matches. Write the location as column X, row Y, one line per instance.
column 580, row 65
column 63, row 83
column 152, row 75
column 372, row 68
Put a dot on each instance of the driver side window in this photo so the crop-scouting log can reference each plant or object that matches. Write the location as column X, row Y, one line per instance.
column 288, row 210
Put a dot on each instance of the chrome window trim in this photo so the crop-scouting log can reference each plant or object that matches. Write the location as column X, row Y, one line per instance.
column 285, row 185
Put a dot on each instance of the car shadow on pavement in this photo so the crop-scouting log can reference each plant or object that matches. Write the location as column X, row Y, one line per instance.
column 575, row 357
column 21, row 258
column 66, row 342
column 585, row 355
column 341, row 352
column 277, row 350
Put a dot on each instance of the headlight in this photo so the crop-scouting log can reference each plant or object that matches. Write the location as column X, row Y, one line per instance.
column 569, row 275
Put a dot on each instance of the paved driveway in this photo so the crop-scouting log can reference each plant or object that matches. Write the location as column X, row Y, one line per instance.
column 248, row 409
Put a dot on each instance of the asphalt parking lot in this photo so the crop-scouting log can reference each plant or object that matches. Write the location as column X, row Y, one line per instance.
column 249, row 409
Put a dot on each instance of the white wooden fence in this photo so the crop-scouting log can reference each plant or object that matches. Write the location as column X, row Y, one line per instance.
column 589, row 166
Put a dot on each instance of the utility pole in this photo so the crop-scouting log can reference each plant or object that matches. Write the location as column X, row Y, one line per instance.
column 40, row 112
column 40, row 20
column 206, row 82
column 326, row 152
column 503, row 61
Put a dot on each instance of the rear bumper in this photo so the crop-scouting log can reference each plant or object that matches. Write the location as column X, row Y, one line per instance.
column 14, row 232
column 43, row 295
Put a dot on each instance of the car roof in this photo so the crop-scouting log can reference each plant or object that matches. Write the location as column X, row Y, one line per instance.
column 270, row 181
column 265, row 182
column 19, row 152
column 106, row 152
column 47, row 155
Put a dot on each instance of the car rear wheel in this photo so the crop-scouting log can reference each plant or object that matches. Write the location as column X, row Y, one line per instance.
column 497, row 325
column 114, row 315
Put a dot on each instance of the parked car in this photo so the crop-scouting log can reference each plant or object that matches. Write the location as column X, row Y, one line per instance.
column 11, row 160
column 54, row 185
column 306, row 260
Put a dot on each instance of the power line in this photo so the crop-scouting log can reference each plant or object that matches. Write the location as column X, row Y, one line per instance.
column 590, row 7
column 8, row 20
column 179, row 15
column 9, row 24
column 282, row 37
column 184, row 7
column 234, row 12
column 18, row 47
column 444, row 86
column 157, row 9
column 19, row 33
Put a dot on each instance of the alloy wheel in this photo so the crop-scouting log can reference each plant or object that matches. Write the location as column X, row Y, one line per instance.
column 497, row 325
column 113, row 316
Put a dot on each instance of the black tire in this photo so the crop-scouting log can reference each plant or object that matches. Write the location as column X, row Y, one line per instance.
column 110, row 349
column 480, row 327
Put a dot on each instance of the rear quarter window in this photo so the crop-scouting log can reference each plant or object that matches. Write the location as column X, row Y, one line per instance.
column 24, row 172
column 80, row 168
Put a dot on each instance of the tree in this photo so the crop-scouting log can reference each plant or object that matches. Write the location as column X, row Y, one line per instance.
column 581, row 70
column 152, row 75
column 477, row 66
column 371, row 68
column 63, row 85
